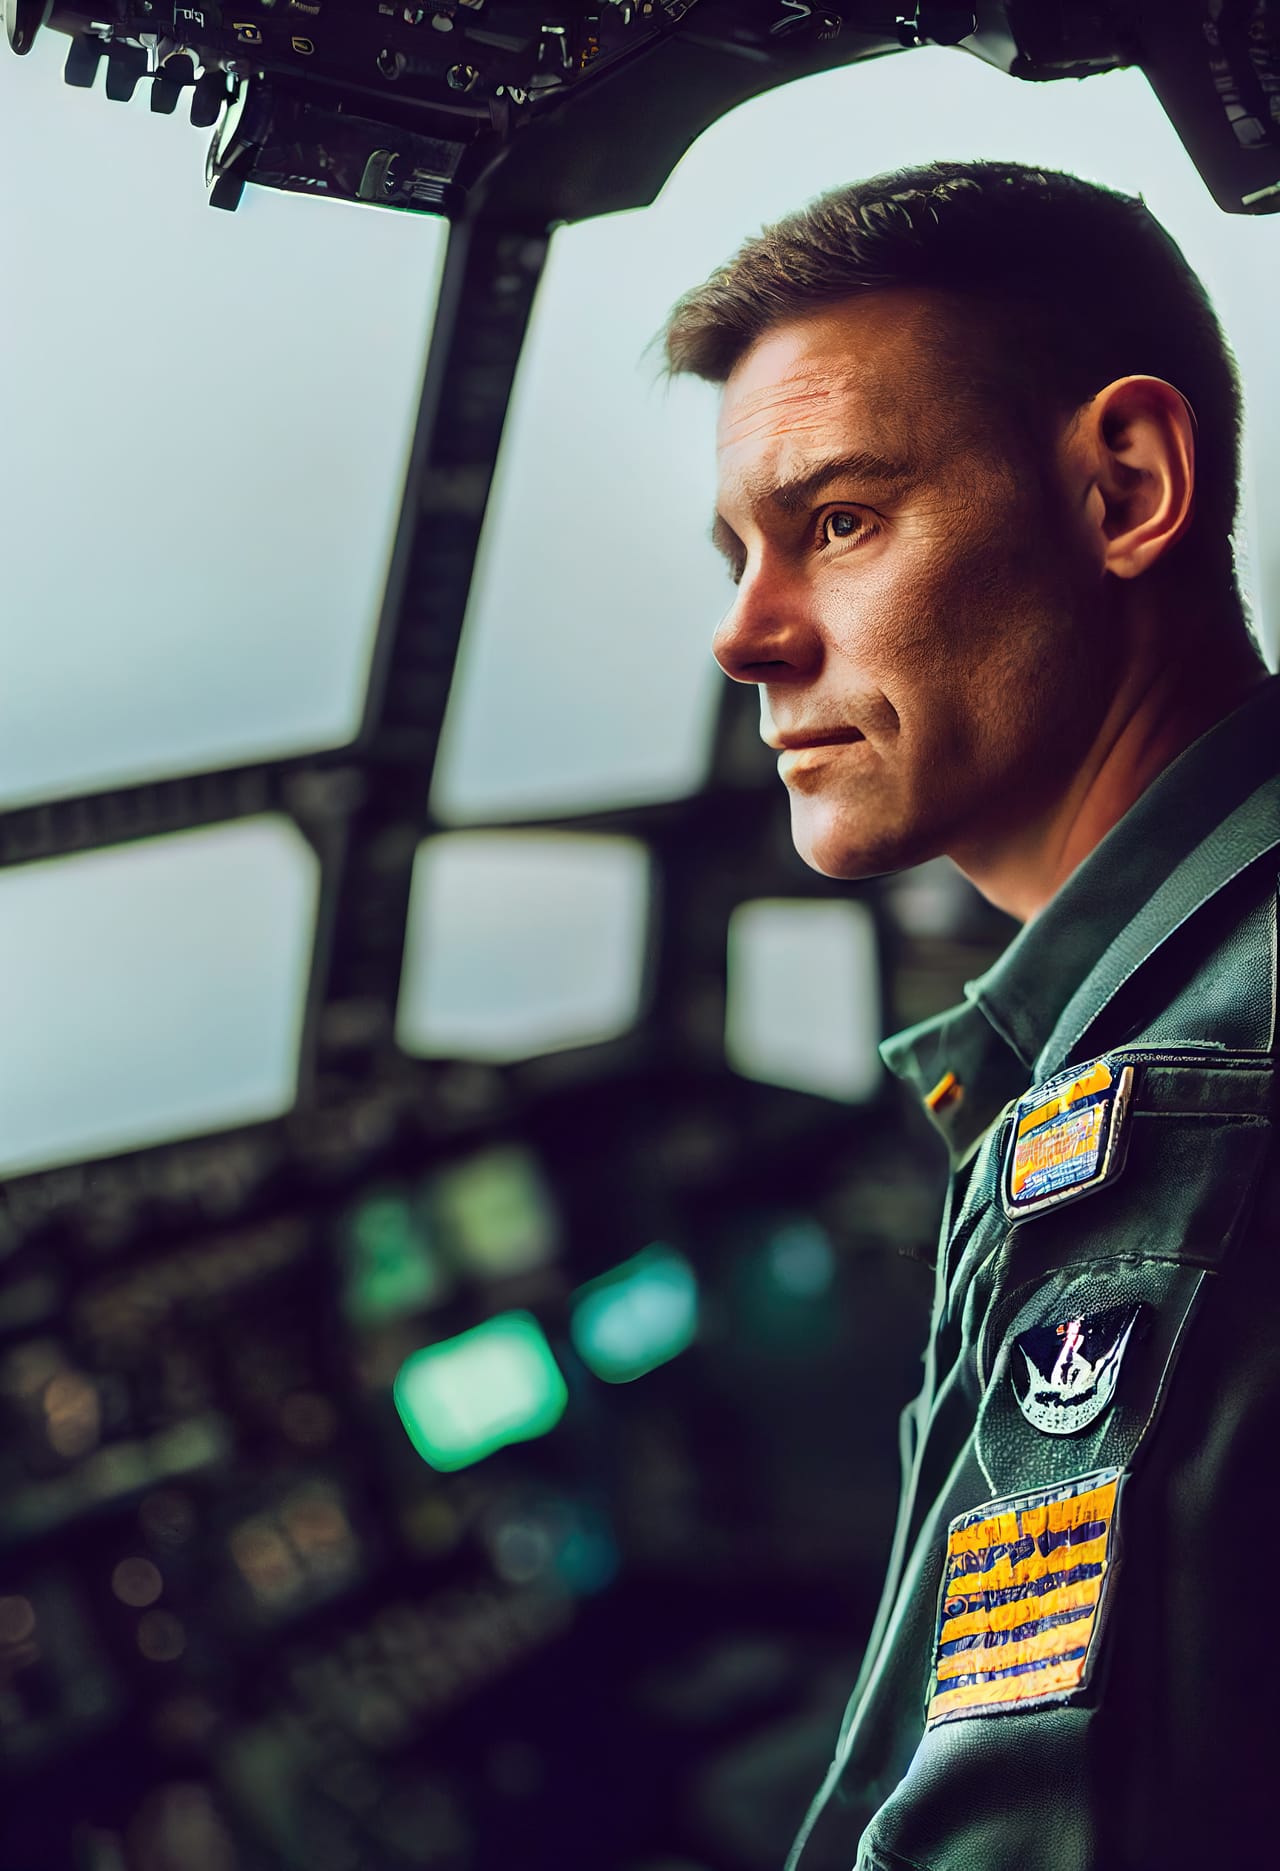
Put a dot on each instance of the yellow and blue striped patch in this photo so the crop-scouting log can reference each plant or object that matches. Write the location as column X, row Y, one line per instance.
column 1068, row 1136
column 1021, row 1595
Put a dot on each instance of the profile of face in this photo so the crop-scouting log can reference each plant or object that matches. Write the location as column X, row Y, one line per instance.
column 927, row 624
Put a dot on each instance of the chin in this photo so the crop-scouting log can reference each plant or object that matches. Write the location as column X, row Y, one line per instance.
column 832, row 843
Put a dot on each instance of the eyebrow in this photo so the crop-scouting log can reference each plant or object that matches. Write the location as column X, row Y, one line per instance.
column 793, row 495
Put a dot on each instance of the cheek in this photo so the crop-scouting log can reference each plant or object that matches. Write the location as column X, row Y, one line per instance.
column 916, row 617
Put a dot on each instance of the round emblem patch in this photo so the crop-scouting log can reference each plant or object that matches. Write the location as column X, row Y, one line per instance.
column 1064, row 1376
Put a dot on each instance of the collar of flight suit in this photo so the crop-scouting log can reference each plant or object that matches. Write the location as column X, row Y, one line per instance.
column 1201, row 821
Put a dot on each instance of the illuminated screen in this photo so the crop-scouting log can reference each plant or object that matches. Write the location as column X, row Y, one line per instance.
column 496, row 1384
column 638, row 1316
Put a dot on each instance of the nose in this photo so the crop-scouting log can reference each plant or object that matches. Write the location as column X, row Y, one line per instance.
column 763, row 636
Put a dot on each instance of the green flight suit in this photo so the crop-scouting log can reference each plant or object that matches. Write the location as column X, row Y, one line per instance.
column 1134, row 1724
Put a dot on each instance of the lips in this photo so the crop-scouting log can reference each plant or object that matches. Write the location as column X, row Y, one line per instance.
column 818, row 737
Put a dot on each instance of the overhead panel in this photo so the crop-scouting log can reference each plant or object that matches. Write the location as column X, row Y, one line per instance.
column 521, row 943
column 206, row 425
column 152, row 991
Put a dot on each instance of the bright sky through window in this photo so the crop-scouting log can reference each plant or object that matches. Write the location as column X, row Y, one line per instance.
column 204, row 429
column 803, row 1005
column 153, row 991
column 522, row 942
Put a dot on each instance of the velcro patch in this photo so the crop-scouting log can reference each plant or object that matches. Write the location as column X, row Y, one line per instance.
column 1022, row 1592
column 1068, row 1136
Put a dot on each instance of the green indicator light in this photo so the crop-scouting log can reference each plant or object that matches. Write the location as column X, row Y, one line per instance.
column 496, row 1213
column 496, row 1384
column 390, row 1266
column 637, row 1317
column 800, row 1260
column 781, row 1289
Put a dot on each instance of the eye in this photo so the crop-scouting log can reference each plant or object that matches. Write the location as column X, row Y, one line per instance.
column 860, row 528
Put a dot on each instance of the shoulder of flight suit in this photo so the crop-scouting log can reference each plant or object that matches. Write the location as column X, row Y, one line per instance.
column 1081, row 1628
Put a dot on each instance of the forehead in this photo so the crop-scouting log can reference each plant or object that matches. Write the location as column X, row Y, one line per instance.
column 870, row 372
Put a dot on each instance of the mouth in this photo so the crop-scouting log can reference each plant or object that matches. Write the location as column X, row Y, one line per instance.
column 822, row 737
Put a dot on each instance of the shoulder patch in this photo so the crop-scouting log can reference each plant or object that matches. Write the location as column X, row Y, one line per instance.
column 1068, row 1136
column 1064, row 1376
column 1023, row 1589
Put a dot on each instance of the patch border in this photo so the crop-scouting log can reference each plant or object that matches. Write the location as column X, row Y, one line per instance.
column 1016, row 1503
column 1114, row 1146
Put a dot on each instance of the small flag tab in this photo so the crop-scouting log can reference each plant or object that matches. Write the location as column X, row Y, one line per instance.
column 947, row 1092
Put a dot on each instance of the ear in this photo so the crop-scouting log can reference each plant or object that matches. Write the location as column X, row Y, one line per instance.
column 1140, row 436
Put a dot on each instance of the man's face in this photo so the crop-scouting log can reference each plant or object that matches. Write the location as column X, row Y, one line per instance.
column 930, row 617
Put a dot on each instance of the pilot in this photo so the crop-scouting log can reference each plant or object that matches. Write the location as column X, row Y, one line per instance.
column 978, row 446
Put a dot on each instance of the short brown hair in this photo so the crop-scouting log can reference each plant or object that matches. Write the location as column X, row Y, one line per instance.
column 1080, row 283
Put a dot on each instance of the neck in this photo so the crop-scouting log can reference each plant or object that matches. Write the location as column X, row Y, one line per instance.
column 1155, row 715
